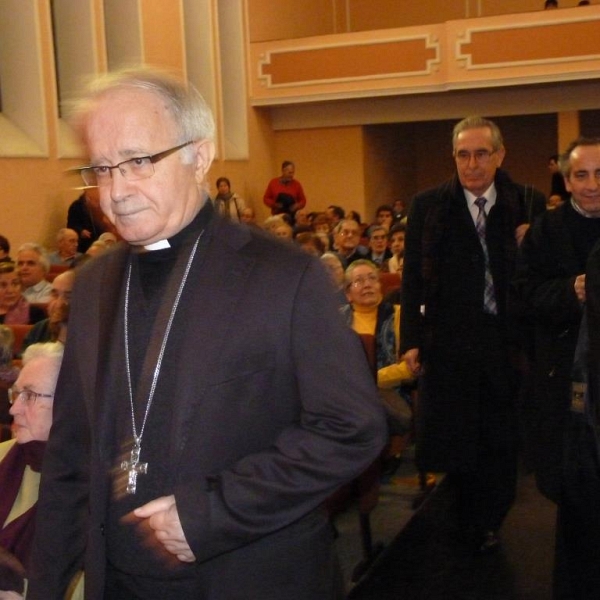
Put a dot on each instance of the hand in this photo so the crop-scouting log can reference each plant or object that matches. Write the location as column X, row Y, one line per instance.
column 162, row 517
column 520, row 232
column 10, row 595
column 580, row 287
column 85, row 233
column 412, row 361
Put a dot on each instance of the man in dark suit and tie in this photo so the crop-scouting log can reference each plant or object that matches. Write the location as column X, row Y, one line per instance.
column 205, row 410
column 461, row 246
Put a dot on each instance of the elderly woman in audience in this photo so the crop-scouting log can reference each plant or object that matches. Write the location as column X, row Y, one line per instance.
column 14, row 308
column 8, row 375
column 279, row 227
column 31, row 398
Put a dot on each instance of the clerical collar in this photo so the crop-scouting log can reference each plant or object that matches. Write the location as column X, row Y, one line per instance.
column 198, row 223
column 583, row 213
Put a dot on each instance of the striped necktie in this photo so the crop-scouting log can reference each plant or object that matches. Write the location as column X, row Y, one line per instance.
column 489, row 295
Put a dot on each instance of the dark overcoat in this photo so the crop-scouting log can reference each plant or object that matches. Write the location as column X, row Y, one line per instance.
column 442, row 315
column 266, row 424
column 554, row 253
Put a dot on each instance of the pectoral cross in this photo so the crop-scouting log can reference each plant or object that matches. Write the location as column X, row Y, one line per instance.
column 133, row 466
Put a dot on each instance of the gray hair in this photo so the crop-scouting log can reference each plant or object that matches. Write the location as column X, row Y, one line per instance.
column 44, row 260
column 51, row 350
column 361, row 262
column 62, row 232
column 191, row 115
column 475, row 122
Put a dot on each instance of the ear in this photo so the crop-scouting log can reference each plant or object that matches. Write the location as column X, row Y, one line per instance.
column 501, row 153
column 205, row 154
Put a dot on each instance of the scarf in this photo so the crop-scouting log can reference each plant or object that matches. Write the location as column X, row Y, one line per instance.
column 16, row 536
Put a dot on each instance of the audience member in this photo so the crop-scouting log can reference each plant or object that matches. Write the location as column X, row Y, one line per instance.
column 31, row 398
column 248, row 216
column 8, row 375
column 86, row 218
column 460, row 254
column 321, row 224
column 557, row 182
column 399, row 208
column 396, row 242
column 310, row 242
column 279, row 227
column 379, row 253
column 301, row 221
column 66, row 243
column 334, row 266
column 284, row 194
column 33, row 266
column 4, row 250
column 335, row 214
column 384, row 216
column 352, row 214
column 54, row 327
column 14, row 307
column 367, row 313
column 108, row 238
column 244, row 440
column 346, row 241
column 228, row 203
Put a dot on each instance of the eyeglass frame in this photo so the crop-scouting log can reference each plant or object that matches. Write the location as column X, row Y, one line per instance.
column 360, row 281
column 153, row 158
column 29, row 396
column 481, row 156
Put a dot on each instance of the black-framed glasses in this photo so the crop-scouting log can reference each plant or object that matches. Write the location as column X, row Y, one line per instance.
column 27, row 396
column 132, row 169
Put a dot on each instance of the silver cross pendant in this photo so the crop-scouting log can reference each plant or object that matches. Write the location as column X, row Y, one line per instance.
column 133, row 467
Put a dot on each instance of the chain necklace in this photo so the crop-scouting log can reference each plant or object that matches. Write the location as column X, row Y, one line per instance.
column 133, row 466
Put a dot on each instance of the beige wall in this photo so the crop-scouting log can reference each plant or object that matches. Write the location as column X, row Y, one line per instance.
column 329, row 164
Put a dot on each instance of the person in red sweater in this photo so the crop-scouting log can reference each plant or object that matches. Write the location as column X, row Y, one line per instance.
column 284, row 194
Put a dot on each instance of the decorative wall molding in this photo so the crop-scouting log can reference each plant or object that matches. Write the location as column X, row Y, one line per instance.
column 540, row 47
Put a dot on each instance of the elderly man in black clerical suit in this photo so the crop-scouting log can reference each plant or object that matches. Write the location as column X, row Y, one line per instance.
column 461, row 246
column 198, row 427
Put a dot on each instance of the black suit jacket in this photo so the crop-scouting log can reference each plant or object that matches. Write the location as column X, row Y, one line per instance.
column 273, row 408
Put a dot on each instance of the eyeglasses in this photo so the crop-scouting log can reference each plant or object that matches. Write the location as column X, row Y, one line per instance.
column 27, row 396
column 349, row 232
column 481, row 156
column 133, row 169
column 361, row 281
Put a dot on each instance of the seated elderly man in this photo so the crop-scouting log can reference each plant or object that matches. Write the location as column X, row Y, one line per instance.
column 346, row 241
column 33, row 266
column 14, row 307
column 379, row 253
column 54, row 327
column 66, row 248
column 31, row 399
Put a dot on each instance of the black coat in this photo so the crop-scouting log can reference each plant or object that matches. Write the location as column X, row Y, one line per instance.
column 273, row 407
column 554, row 253
column 443, row 283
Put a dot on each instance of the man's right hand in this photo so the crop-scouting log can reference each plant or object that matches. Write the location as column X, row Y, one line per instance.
column 412, row 361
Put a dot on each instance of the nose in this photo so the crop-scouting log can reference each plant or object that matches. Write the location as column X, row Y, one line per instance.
column 118, row 186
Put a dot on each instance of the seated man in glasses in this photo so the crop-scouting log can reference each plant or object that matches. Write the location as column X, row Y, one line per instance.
column 31, row 398
column 346, row 241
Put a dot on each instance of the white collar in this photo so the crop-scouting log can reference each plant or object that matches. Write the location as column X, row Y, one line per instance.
column 158, row 245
